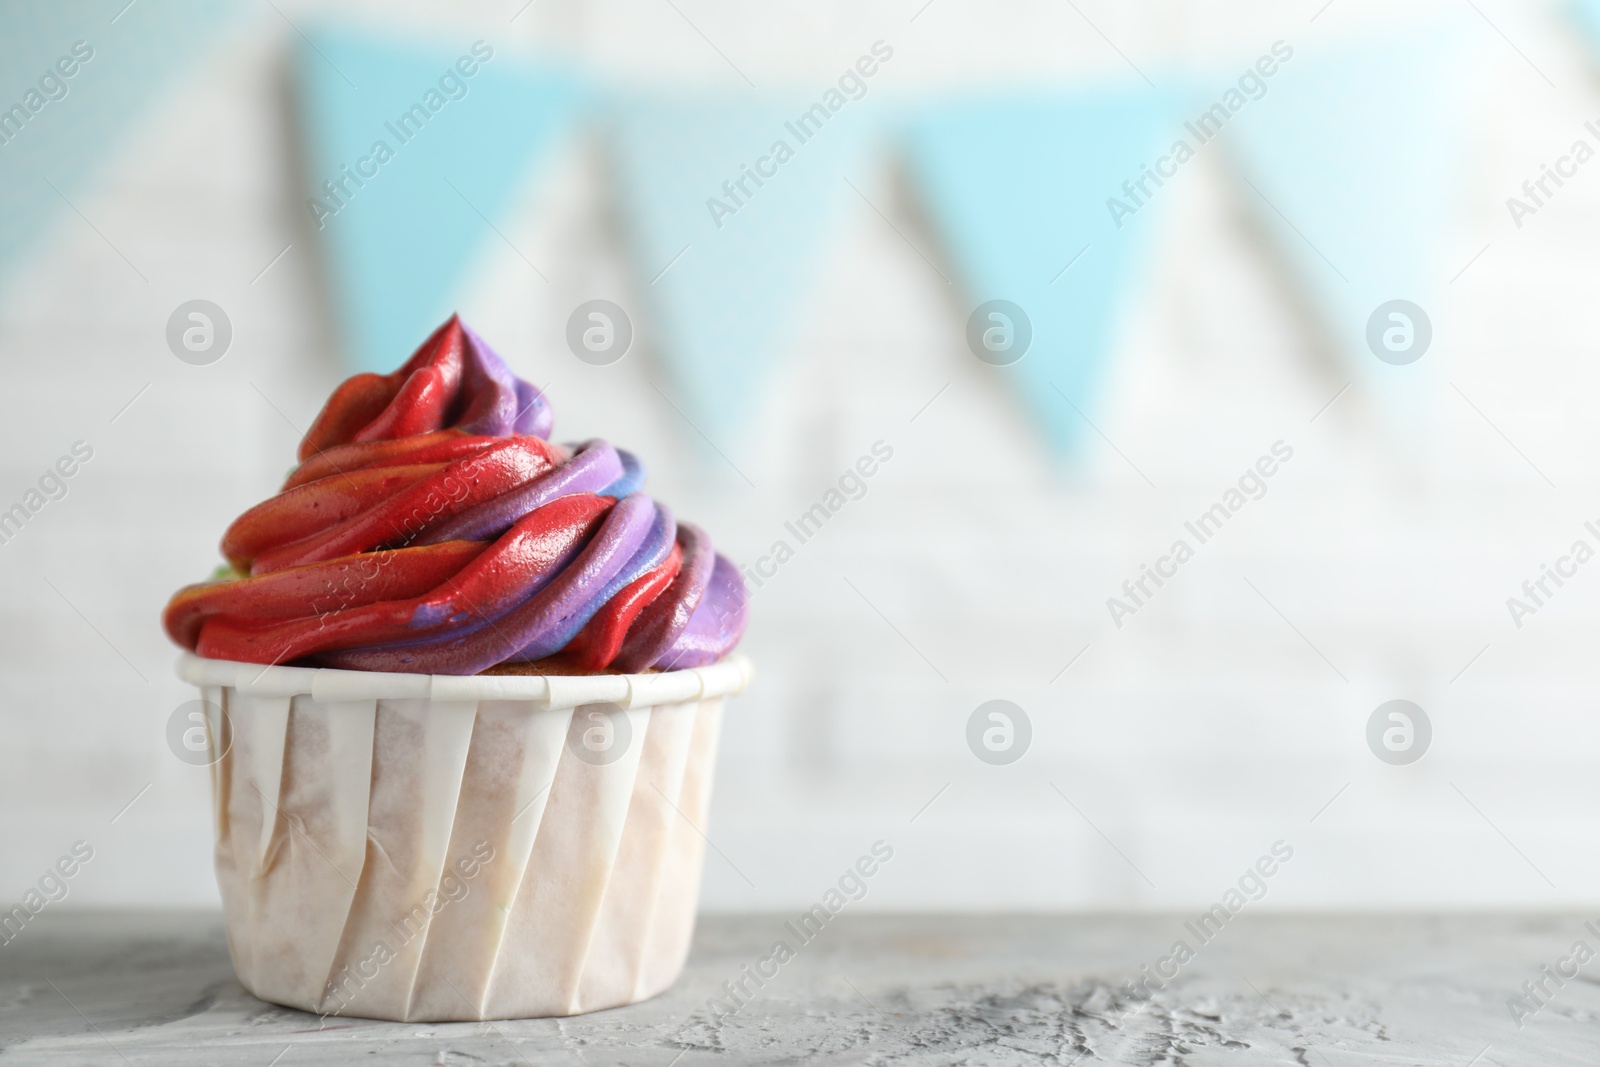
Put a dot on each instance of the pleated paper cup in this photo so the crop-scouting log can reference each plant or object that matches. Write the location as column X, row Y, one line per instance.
column 431, row 848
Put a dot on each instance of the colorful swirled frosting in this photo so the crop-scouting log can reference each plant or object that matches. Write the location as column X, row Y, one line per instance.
column 431, row 527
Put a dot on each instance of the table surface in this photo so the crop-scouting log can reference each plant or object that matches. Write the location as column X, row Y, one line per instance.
column 157, row 988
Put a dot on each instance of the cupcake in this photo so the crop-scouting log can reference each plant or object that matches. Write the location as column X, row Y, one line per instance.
column 463, row 688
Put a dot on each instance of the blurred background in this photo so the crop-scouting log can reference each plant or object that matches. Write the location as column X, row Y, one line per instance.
column 1159, row 338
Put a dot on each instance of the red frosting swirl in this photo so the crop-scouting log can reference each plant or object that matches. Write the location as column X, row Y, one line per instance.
column 431, row 527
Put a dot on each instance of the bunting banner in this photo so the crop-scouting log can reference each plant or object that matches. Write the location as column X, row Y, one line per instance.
column 1042, row 202
column 1043, row 206
column 413, row 154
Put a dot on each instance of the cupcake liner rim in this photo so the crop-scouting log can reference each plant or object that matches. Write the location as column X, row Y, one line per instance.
column 553, row 692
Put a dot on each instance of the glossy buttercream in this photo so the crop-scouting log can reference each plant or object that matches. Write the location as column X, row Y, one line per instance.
column 431, row 527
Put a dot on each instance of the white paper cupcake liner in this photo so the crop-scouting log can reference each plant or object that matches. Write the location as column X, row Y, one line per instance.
column 431, row 848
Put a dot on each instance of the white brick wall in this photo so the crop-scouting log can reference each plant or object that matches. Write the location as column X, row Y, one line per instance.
column 1191, row 738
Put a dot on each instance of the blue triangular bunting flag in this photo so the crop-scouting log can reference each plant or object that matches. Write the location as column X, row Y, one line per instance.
column 1350, row 160
column 78, row 75
column 413, row 153
column 1044, row 203
column 728, row 205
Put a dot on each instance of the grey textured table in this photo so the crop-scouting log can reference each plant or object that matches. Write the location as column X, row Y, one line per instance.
column 158, row 989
